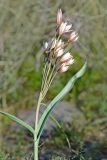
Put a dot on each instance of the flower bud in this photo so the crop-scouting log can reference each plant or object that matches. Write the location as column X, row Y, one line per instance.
column 66, row 57
column 64, row 28
column 59, row 52
column 59, row 17
column 63, row 68
column 73, row 37
column 46, row 45
column 70, row 61
column 59, row 44
column 67, row 28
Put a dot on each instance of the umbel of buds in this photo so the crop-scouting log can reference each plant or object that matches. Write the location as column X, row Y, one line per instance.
column 55, row 49
column 57, row 60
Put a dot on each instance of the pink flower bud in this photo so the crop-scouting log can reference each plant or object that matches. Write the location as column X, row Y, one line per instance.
column 59, row 44
column 67, row 28
column 59, row 17
column 64, row 28
column 63, row 68
column 59, row 52
column 70, row 61
column 73, row 37
column 66, row 57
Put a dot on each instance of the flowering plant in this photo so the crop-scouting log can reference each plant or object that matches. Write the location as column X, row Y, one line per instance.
column 56, row 61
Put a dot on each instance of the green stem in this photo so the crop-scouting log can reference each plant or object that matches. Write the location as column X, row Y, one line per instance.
column 44, row 75
column 36, row 144
column 36, row 140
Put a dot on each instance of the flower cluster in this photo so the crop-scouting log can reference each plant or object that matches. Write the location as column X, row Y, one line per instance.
column 55, row 49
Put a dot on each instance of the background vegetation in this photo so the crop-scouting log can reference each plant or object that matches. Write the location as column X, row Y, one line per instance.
column 24, row 27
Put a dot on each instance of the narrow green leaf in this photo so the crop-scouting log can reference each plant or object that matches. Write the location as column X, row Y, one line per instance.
column 53, row 103
column 19, row 121
column 55, row 121
column 61, row 128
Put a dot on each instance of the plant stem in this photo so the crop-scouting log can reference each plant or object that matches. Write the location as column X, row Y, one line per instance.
column 36, row 140
column 47, row 79
column 45, row 76
column 48, row 82
column 36, row 144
